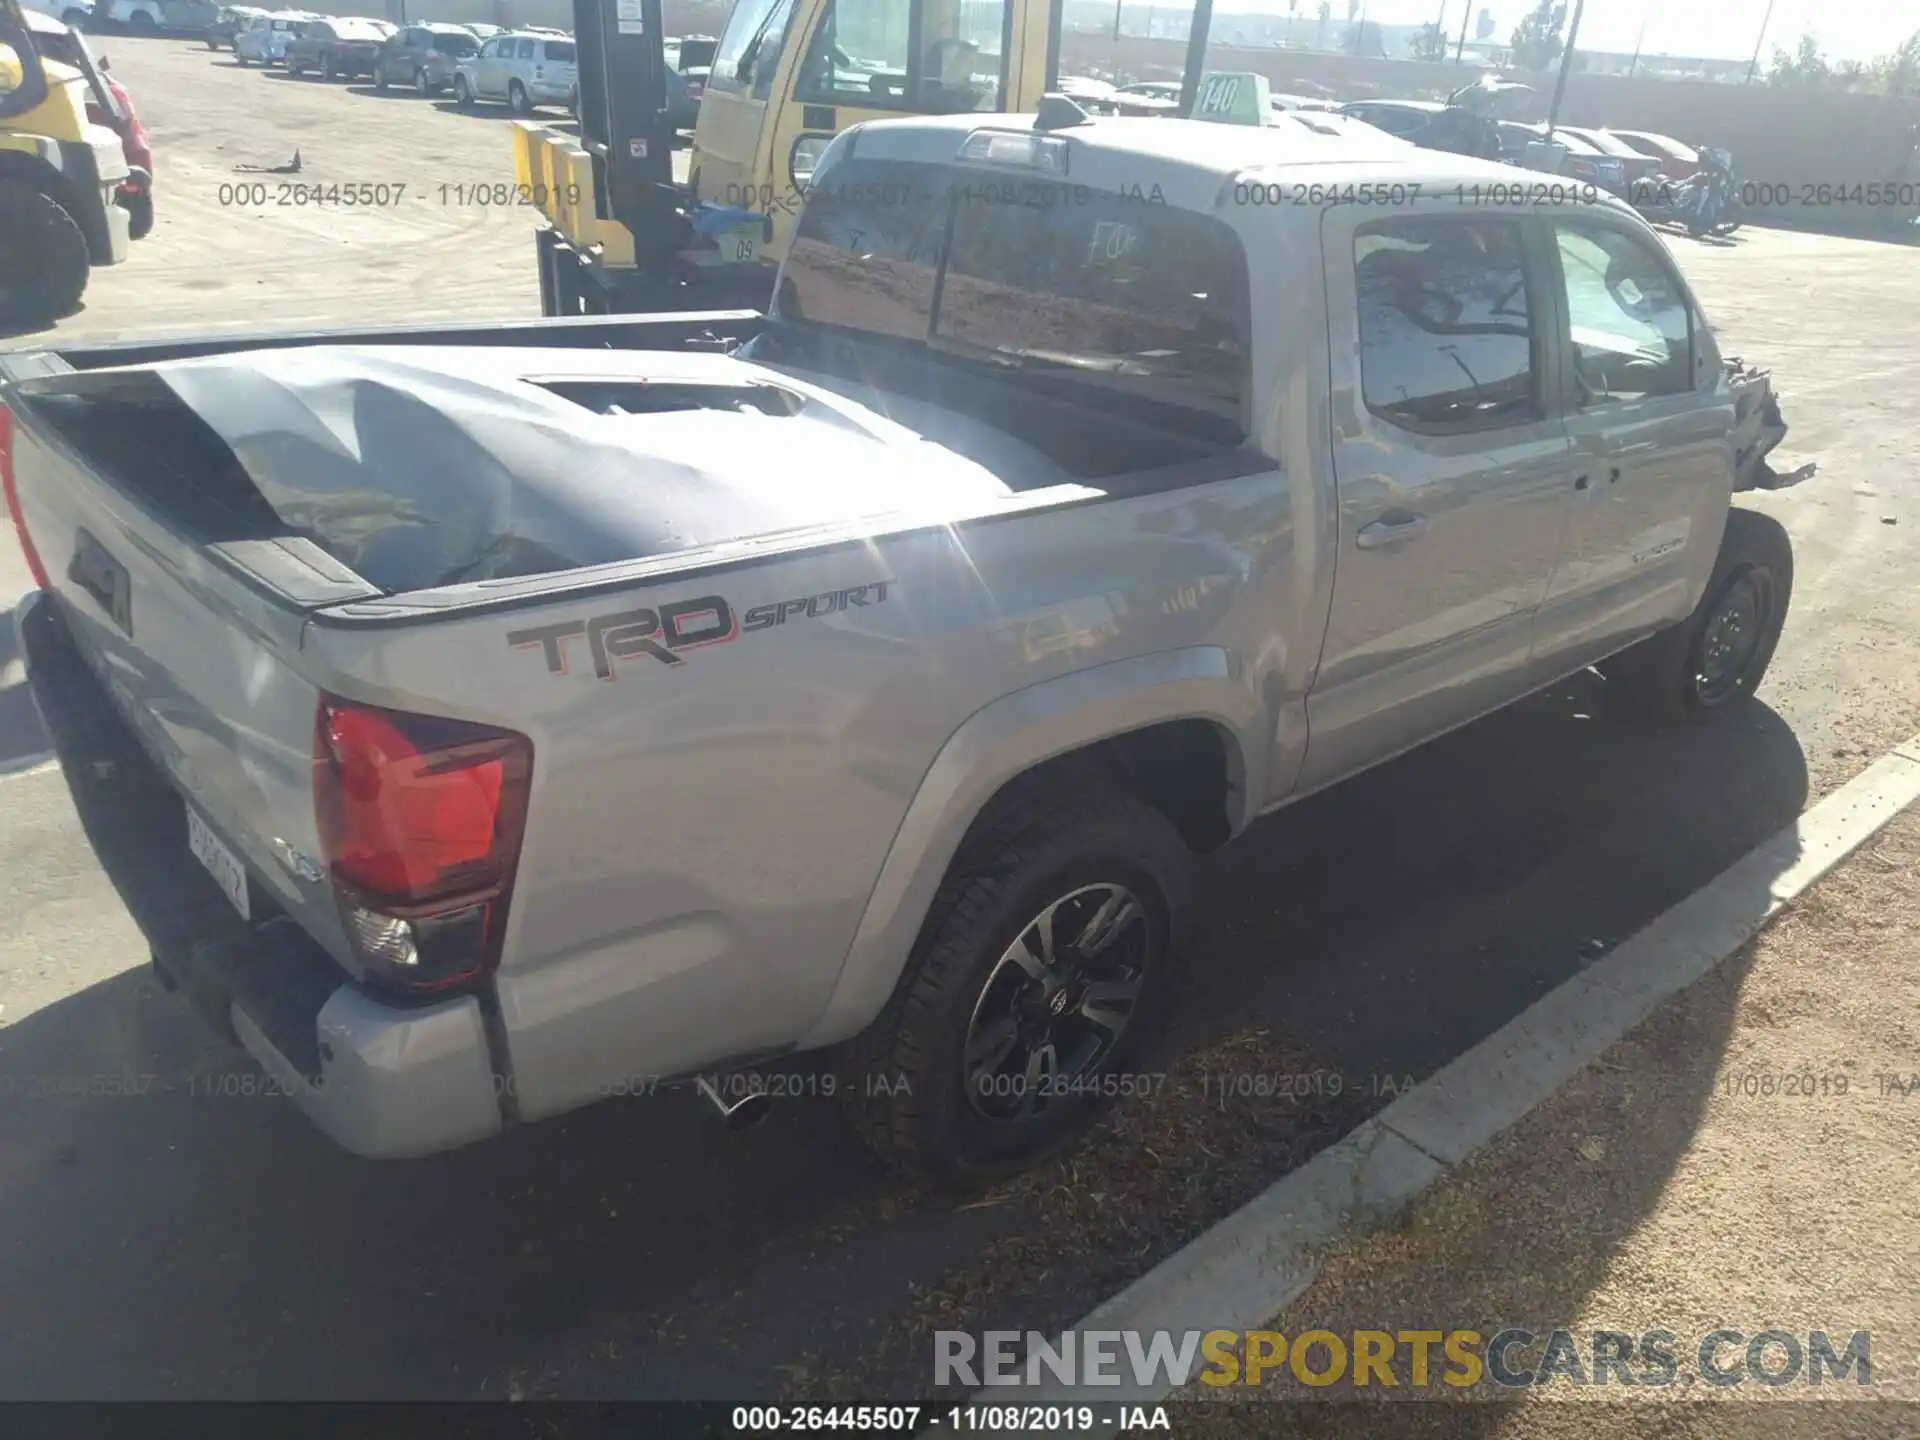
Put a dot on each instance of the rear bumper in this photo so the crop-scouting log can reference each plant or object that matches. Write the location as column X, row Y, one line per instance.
column 383, row 1080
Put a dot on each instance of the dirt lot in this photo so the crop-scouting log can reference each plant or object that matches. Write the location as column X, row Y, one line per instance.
column 217, row 258
column 173, row 1244
column 1743, row 1160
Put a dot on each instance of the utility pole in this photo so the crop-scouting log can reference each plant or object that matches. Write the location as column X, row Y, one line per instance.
column 1758, row 41
column 1461, row 48
column 1566, row 66
column 1634, row 64
column 1116, row 20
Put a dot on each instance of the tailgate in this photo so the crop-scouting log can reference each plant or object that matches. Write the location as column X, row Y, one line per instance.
column 188, row 603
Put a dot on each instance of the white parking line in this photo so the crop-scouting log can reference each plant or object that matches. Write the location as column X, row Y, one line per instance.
column 1252, row 1265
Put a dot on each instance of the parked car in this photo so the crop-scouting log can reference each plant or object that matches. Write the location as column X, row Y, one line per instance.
column 423, row 56
column 692, row 59
column 524, row 68
column 468, row 840
column 62, row 42
column 483, row 31
column 154, row 17
column 336, row 47
column 77, row 13
column 1634, row 166
column 1430, row 124
column 264, row 39
column 1678, row 160
column 228, row 23
column 1581, row 160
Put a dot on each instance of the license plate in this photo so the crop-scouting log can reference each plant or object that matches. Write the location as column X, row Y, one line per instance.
column 221, row 863
column 741, row 245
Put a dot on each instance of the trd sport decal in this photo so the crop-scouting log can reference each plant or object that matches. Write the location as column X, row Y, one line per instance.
column 684, row 625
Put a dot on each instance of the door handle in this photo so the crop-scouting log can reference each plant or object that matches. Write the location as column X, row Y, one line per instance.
column 1390, row 529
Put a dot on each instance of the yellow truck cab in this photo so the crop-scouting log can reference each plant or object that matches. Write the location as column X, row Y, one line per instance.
column 624, row 233
column 789, row 75
column 59, row 173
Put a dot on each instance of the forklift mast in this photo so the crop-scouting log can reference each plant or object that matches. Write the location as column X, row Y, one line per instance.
column 624, row 125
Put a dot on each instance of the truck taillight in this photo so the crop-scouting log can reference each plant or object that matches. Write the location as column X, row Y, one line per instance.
column 34, row 567
column 420, row 820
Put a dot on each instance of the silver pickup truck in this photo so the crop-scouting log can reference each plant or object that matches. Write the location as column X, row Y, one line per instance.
column 559, row 709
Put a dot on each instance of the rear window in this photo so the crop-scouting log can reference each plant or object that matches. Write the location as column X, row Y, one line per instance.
column 560, row 51
column 1133, row 304
column 455, row 44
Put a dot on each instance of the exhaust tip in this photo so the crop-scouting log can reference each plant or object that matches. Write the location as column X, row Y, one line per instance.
column 736, row 1115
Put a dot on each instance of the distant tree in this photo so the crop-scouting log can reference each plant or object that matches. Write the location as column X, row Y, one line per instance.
column 1899, row 73
column 1293, row 7
column 1804, row 69
column 1539, row 38
column 1325, row 15
column 1430, row 43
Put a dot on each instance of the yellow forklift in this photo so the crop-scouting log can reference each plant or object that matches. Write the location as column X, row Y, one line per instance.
column 59, row 173
column 620, row 235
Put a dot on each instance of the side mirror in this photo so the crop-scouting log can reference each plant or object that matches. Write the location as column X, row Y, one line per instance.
column 103, row 64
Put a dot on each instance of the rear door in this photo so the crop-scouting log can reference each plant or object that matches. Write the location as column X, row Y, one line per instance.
column 489, row 74
column 1652, row 436
column 1453, row 473
column 554, row 71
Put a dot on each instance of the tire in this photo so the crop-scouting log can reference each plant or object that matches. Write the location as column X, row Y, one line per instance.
column 139, row 210
column 908, row 1083
column 517, row 99
column 1687, row 674
column 462, row 94
column 77, row 19
column 421, row 84
column 142, row 23
column 293, row 70
column 44, row 262
column 240, row 59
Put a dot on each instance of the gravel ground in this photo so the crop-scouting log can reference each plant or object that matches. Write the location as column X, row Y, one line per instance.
column 1744, row 1159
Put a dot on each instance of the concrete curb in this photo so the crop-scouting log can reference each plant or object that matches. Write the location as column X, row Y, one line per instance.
column 1257, row 1261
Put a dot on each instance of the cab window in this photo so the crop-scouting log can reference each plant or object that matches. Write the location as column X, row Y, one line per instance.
column 1632, row 328
column 765, row 57
column 935, row 57
column 745, row 27
column 1447, row 339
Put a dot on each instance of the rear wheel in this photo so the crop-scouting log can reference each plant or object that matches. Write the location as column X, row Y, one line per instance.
column 77, row 19
column 1042, row 974
column 518, row 100
column 1712, row 662
column 43, row 258
column 421, row 83
column 462, row 93
column 142, row 23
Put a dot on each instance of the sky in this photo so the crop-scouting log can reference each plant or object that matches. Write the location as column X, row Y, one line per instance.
column 1847, row 29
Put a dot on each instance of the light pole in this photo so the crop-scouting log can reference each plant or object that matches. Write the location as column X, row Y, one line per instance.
column 1566, row 66
column 1758, row 41
column 1461, row 48
column 1116, row 20
column 1634, row 64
